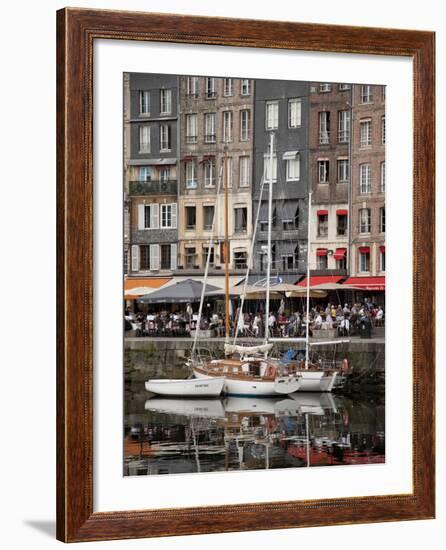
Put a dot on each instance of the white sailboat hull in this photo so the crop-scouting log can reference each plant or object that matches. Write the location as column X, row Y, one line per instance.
column 256, row 387
column 192, row 387
column 316, row 381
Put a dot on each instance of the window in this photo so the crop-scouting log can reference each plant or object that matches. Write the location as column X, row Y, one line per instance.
column 209, row 128
column 190, row 254
column 191, row 174
column 244, row 171
column 227, row 126
column 191, row 128
column 383, row 177
column 165, row 102
column 341, row 225
column 294, row 113
column 382, row 219
column 227, row 87
column 240, row 259
column 364, row 260
column 208, row 217
column 322, row 225
column 165, row 137
column 145, row 173
column 287, row 262
column 366, row 133
column 192, row 86
column 144, row 257
column 165, row 174
column 366, row 94
column 144, row 102
column 191, row 219
column 210, row 87
column 382, row 258
column 144, row 139
column 245, row 87
column 293, row 169
column 126, row 262
column 205, row 256
column 365, row 178
column 165, row 250
column 383, row 93
column 321, row 260
column 324, row 127
column 364, row 220
column 240, row 219
column 169, row 216
column 269, row 174
column 383, row 130
column 148, row 216
column 229, row 172
column 291, row 224
column 324, row 87
column 272, row 115
column 244, row 124
column 343, row 170
column 343, row 126
column 323, row 170
column 344, row 87
column 209, row 172
column 341, row 263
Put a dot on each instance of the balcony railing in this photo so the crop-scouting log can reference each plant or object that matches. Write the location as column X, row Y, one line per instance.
column 153, row 187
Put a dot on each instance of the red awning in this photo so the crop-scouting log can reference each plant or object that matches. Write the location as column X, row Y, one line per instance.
column 321, row 252
column 367, row 283
column 382, row 248
column 322, row 212
column 340, row 253
column 320, row 280
column 364, row 249
column 342, row 212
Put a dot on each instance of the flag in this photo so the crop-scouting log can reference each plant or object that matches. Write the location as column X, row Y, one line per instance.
column 278, row 279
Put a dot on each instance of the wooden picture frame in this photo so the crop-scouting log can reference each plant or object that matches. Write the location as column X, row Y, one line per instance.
column 77, row 29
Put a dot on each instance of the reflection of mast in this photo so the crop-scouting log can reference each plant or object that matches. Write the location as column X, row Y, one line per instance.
column 307, row 331
column 194, row 438
column 270, row 215
column 307, row 430
column 226, row 247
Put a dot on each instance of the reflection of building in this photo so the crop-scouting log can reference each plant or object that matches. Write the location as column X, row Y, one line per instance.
column 151, row 173
column 281, row 108
column 215, row 113
column 330, row 113
column 368, row 182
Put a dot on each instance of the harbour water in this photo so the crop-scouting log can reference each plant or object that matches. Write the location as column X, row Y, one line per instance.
column 173, row 435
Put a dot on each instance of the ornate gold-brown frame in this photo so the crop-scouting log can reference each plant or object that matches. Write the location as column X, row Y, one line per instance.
column 76, row 31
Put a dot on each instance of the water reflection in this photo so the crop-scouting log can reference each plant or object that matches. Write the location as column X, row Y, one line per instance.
column 167, row 436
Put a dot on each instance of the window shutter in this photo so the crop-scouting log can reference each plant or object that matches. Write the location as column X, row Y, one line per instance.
column 174, row 215
column 135, row 257
column 154, row 216
column 173, row 255
column 141, row 216
column 154, row 257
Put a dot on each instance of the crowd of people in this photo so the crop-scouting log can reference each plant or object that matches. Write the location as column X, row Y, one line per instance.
column 347, row 320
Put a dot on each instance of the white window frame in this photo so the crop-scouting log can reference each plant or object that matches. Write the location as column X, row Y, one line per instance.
column 272, row 115
column 228, row 87
column 324, row 127
column 244, row 171
column 365, row 221
column 146, row 170
column 210, row 91
column 344, row 126
column 148, row 216
column 294, row 113
column 210, row 134
column 229, row 176
column 165, row 137
column 343, row 170
column 364, row 257
column 382, row 219
column 165, row 101
column 366, row 94
column 169, row 209
column 245, row 87
column 144, row 102
column 144, row 139
column 245, row 119
column 383, row 130
column 343, row 87
column 323, row 175
column 365, row 179
column 191, row 178
column 266, row 163
column 365, row 132
column 324, row 87
column 383, row 176
column 227, row 126
column 382, row 261
column 293, row 175
column 164, row 174
column 191, row 128
column 210, row 173
column 192, row 86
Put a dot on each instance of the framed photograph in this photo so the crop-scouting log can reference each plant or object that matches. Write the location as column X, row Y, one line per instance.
column 245, row 275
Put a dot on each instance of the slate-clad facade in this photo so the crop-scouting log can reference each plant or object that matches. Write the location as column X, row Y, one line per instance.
column 152, row 174
column 281, row 108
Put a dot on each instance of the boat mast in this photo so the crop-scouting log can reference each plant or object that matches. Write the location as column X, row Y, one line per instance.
column 226, row 247
column 307, row 330
column 270, row 215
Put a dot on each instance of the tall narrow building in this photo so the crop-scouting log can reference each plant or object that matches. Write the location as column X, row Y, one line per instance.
column 330, row 159
column 281, row 109
column 216, row 116
column 368, row 253
column 151, row 177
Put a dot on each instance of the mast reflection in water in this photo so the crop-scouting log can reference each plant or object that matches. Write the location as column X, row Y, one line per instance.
column 169, row 436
